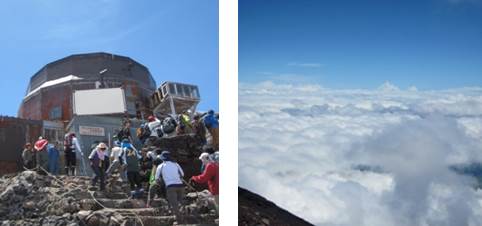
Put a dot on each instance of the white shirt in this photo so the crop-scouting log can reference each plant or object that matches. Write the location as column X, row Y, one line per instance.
column 153, row 127
column 171, row 173
column 75, row 143
column 115, row 153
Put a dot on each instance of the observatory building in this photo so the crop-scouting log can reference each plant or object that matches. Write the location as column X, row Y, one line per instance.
column 49, row 94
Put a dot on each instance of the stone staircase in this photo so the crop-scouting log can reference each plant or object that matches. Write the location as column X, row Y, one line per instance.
column 33, row 199
column 115, row 207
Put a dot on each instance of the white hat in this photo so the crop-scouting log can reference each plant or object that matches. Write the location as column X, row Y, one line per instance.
column 204, row 156
column 102, row 145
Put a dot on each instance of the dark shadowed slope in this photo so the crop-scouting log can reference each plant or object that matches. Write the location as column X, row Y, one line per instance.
column 256, row 210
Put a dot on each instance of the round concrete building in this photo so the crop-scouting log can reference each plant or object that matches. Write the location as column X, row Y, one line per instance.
column 49, row 93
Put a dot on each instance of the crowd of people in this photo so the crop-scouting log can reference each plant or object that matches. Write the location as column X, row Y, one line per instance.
column 148, row 169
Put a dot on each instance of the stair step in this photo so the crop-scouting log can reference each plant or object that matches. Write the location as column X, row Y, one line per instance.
column 131, row 203
column 169, row 220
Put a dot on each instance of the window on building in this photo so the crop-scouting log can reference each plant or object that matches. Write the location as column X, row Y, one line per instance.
column 180, row 89
column 172, row 89
column 195, row 92
column 164, row 91
column 187, row 91
column 55, row 113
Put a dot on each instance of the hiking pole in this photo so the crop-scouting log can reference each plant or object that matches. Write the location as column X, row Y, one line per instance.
column 191, row 187
column 84, row 173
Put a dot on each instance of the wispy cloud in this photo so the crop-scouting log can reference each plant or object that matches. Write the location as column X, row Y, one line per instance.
column 92, row 23
column 66, row 21
column 294, row 78
column 312, row 65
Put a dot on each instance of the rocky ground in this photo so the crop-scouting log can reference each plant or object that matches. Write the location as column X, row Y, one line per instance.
column 254, row 210
column 28, row 198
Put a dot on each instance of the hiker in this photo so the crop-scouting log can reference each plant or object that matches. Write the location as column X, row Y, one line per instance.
column 97, row 162
column 118, row 160
column 171, row 174
column 154, row 127
column 125, row 132
column 28, row 156
column 168, row 126
column 71, row 145
column 143, row 133
column 145, row 166
column 210, row 176
column 156, row 186
column 184, row 126
column 127, row 144
column 133, row 172
column 41, row 154
column 212, row 125
column 199, row 129
column 54, row 155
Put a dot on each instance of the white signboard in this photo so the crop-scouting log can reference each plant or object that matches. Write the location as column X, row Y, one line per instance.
column 92, row 131
column 99, row 101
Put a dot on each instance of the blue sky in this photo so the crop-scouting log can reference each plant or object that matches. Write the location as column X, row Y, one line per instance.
column 176, row 40
column 430, row 44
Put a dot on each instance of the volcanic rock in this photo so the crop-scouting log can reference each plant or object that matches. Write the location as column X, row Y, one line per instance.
column 256, row 210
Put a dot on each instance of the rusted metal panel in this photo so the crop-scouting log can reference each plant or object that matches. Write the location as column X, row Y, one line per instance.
column 40, row 106
column 14, row 134
column 8, row 167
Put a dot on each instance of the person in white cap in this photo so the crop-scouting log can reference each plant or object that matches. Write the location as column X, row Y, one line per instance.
column 210, row 175
column 118, row 160
column 171, row 173
column 98, row 163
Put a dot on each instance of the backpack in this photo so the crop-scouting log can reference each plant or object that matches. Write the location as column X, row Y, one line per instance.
column 68, row 141
column 123, row 134
column 143, row 132
column 168, row 125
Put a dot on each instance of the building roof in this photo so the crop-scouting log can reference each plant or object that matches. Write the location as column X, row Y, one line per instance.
column 89, row 65
column 52, row 83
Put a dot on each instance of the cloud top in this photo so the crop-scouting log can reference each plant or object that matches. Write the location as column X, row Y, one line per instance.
column 302, row 147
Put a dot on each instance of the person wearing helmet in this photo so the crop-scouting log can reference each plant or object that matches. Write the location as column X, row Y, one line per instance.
column 97, row 162
column 171, row 174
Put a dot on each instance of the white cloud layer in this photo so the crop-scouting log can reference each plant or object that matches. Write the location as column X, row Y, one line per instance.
column 302, row 146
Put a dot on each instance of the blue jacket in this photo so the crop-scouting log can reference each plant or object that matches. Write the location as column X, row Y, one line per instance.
column 53, row 153
column 126, row 145
column 210, row 121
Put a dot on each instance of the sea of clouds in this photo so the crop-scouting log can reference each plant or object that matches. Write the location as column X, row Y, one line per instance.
column 362, row 157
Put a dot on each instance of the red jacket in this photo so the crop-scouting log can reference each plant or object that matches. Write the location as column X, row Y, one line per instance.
column 211, row 176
